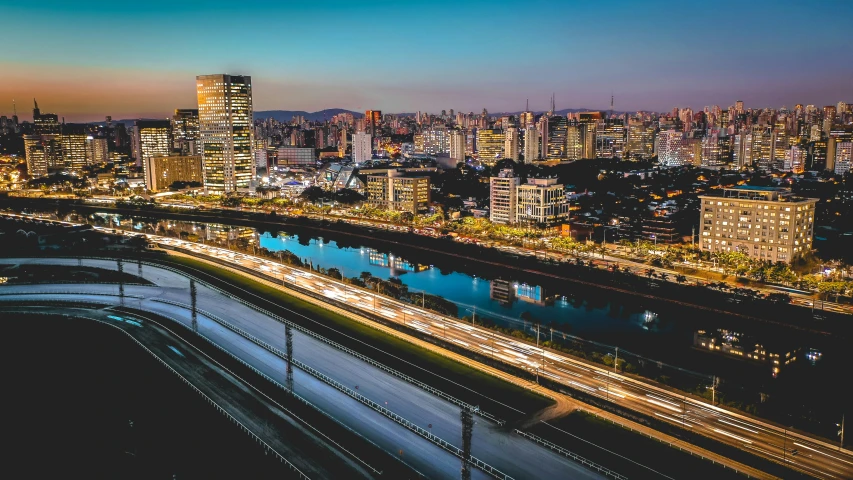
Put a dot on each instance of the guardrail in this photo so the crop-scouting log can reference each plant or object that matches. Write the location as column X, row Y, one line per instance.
column 349, row 392
column 345, row 349
column 591, row 465
column 66, row 292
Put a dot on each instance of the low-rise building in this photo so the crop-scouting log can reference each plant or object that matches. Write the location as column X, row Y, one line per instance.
column 398, row 193
column 541, row 201
column 160, row 172
column 765, row 223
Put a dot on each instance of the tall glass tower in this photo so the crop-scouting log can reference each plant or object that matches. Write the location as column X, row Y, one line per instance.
column 225, row 132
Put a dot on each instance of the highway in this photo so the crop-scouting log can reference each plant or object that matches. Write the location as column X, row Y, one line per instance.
column 508, row 452
column 810, row 455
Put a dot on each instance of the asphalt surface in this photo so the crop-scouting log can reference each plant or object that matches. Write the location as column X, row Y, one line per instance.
column 292, row 440
column 505, row 451
column 799, row 451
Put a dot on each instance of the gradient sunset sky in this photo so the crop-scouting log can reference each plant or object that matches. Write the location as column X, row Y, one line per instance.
column 85, row 60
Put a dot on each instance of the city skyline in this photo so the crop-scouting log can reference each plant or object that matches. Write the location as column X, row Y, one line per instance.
column 309, row 57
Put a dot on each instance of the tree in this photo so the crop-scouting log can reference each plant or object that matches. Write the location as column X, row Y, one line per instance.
column 680, row 278
column 313, row 194
column 334, row 273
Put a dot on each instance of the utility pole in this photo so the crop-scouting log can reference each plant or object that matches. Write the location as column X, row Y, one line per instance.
column 193, row 305
column 616, row 362
column 120, row 266
column 139, row 267
column 537, row 346
column 841, row 432
column 467, row 417
column 288, row 343
column 714, row 391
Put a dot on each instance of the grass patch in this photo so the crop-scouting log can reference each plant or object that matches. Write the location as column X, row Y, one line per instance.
column 627, row 448
column 449, row 376
column 28, row 274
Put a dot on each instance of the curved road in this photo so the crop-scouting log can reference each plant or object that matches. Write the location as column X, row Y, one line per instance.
column 505, row 451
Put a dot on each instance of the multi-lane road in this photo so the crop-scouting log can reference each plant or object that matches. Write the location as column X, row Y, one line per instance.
column 496, row 446
column 811, row 455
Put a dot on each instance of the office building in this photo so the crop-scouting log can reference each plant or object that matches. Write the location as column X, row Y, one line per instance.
column 503, row 197
column 554, row 137
column 457, row 146
column 764, row 223
column 436, row 141
column 149, row 139
column 532, row 147
column 44, row 123
column 610, row 139
column 35, row 155
column 296, row 156
column 588, row 124
column 399, row 193
column 362, row 147
column 795, row 159
column 490, row 143
column 225, row 132
column 185, row 131
column 163, row 171
column 511, row 143
column 541, row 201
column 671, row 147
column 72, row 141
column 641, row 144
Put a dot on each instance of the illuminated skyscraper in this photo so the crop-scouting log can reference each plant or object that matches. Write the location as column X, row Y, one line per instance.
column 72, row 140
column 490, row 143
column 532, row 148
column 185, row 131
column 511, row 143
column 640, row 139
column 671, row 148
column 45, row 123
column 555, row 136
column 225, row 131
column 96, row 150
column 35, row 155
column 843, row 157
column 151, row 138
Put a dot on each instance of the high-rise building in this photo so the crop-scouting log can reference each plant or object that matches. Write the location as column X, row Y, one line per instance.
column 225, row 131
column 490, row 143
column 35, row 156
column 764, row 223
column 532, row 148
column 503, row 197
column 795, row 159
column 588, row 123
column 610, row 139
column 640, row 139
column 372, row 121
column 457, row 146
column 398, row 193
column 97, row 151
column 843, row 157
column 163, row 171
column 555, row 136
column 739, row 107
column 541, row 201
column 44, row 123
column 511, row 143
column 671, row 148
column 185, row 131
column 151, row 138
column 436, row 141
column 72, row 141
column 296, row 156
column 362, row 147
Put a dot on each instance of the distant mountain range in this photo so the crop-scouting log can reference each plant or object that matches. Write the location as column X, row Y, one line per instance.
column 327, row 114
column 287, row 115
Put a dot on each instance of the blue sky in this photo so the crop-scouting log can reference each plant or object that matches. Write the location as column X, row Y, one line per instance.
column 87, row 60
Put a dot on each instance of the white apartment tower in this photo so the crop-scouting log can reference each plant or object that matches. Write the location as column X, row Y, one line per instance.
column 503, row 197
column 362, row 148
column 531, row 144
column 511, row 143
column 457, row 146
column 225, row 132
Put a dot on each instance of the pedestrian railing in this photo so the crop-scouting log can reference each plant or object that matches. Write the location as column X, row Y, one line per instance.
column 591, row 465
